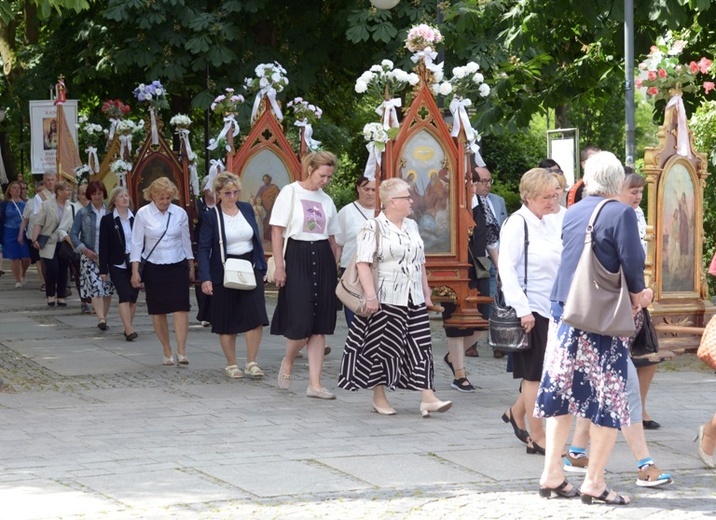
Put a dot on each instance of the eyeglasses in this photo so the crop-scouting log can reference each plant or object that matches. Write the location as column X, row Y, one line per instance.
column 485, row 181
column 230, row 193
column 548, row 197
column 405, row 197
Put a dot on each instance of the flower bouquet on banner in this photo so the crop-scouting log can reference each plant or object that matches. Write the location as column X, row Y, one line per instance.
column 269, row 81
column 125, row 130
column 90, row 136
column 115, row 111
column 306, row 115
column 182, row 123
column 227, row 106
column 466, row 82
column 154, row 95
column 667, row 79
column 121, row 168
column 422, row 41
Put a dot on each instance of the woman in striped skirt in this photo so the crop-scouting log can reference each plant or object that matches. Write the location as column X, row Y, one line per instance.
column 392, row 347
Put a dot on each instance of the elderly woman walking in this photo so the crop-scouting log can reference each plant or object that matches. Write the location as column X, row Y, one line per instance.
column 585, row 374
column 391, row 347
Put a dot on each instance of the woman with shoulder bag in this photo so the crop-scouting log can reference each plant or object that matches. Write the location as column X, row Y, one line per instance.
column 391, row 347
column 229, row 231
column 53, row 221
column 115, row 243
column 160, row 241
column 85, row 239
column 530, row 297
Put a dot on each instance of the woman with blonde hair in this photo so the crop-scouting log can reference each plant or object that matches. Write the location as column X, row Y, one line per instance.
column 306, row 218
column 230, row 230
column 115, row 244
column 392, row 347
column 160, row 241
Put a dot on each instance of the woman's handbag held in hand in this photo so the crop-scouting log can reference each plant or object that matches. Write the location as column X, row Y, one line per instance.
column 707, row 347
column 349, row 289
column 598, row 300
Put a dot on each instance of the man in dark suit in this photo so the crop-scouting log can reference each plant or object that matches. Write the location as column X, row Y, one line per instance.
column 493, row 209
column 204, row 204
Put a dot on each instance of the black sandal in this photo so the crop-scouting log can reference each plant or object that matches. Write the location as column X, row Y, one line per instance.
column 449, row 364
column 619, row 500
column 102, row 325
column 546, row 492
column 519, row 432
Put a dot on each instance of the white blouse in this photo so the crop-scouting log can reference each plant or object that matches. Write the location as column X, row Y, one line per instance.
column 149, row 225
column 351, row 218
column 544, row 255
column 238, row 234
column 401, row 255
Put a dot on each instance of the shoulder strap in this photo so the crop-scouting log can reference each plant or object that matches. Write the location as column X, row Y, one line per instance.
column 359, row 211
column 527, row 244
column 160, row 238
column 589, row 233
column 221, row 235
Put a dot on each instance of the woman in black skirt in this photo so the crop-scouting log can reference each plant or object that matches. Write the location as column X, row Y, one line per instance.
column 233, row 311
column 160, row 237
column 306, row 218
column 115, row 241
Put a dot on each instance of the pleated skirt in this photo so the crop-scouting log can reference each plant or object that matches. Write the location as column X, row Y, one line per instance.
column 307, row 304
column 392, row 348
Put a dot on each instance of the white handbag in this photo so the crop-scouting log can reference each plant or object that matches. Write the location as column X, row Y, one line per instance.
column 238, row 273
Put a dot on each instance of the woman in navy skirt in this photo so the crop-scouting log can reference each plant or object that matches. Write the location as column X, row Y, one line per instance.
column 233, row 311
column 306, row 310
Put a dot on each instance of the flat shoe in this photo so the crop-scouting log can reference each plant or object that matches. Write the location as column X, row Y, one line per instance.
column 182, row 360
column 253, row 370
column 284, row 379
column 321, row 393
column 383, row 410
column 131, row 337
column 168, row 361
column 618, row 500
column 102, row 325
column 452, row 369
column 234, row 372
column 463, row 385
column 61, row 303
column 651, row 425
column 707, row 459
column 546, row 492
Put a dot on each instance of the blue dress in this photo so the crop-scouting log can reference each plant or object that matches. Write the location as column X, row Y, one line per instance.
column 12, row 219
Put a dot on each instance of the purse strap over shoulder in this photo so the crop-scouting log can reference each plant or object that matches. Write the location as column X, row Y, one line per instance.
column 589, row 233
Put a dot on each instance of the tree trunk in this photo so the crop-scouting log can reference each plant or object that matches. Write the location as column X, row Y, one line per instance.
column 561, row 116
column 32, row 23
column 7, row 47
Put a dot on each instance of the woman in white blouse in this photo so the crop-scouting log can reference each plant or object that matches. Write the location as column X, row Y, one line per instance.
column 539, row 194
column 351, row 218
column 160, row 237
column 392, row 346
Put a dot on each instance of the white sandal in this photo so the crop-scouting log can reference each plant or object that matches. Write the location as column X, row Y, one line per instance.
column 253, row 370
column 234, row 372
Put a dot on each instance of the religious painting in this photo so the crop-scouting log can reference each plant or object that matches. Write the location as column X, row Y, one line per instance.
column 677, row 229
column 155, row 167
column 44, row 128
column 262, row 178
column 427, row 171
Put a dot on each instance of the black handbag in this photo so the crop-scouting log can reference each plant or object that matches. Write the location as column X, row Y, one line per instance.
column 67, row 252
column 505, row 332
column 646, row 342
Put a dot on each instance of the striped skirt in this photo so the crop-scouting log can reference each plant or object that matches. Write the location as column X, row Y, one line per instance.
column 392, row 348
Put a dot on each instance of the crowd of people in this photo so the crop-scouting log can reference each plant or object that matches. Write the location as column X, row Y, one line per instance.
column 532, row 255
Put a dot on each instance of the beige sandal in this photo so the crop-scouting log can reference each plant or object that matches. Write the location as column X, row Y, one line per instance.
column 234, row 372
column 253, row 370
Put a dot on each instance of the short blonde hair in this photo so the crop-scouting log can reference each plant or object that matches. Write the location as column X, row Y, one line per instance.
column 224, row 179
column 161, row 185
column 536, row 181
column 561, row 181
column 116, row 192
column 389, row 187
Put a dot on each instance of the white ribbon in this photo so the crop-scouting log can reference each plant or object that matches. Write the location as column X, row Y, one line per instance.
column 374, row 161
column 458, row 109
column 311, row 143
column 184, row 137
column 194, row 179
column 112, row 128
column 92, row 159
column 270, row 93
column 229, row 122
column 155, row 130
column 428, row 55
column 217, row 166
column 125, row 143
column 387, row 110
column 683, row 146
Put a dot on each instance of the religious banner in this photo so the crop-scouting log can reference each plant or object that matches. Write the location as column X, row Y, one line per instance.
column 44, row 133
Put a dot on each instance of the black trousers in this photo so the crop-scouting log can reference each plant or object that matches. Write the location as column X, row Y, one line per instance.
column 55, row 270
